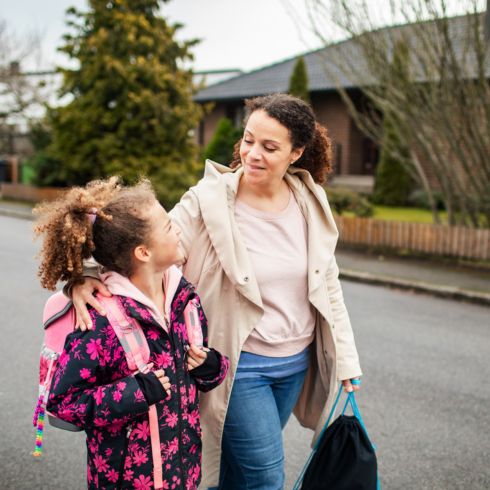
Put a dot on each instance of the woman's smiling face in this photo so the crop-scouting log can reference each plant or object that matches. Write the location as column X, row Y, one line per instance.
column 266, row 150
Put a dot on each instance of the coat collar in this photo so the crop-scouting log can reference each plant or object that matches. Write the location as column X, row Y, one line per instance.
column 220, row 185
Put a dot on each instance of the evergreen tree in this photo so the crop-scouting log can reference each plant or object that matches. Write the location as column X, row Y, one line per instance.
column 131, row 112
column 393, row 183
column 298, row 83
column 220, row 148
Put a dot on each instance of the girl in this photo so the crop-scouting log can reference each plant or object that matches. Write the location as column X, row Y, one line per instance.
column 129, row 233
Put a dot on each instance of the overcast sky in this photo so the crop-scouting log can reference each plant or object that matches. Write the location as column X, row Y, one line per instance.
column 242, row 34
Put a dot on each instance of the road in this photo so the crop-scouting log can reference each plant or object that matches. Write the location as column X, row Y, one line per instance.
column 425, row 396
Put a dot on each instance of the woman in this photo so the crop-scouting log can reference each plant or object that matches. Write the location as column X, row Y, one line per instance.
column 259, row 240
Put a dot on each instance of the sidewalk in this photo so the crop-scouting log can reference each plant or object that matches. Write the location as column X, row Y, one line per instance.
column 421, row 275
column 425, row 276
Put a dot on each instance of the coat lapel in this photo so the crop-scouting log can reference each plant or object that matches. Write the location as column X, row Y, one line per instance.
column 223, row 231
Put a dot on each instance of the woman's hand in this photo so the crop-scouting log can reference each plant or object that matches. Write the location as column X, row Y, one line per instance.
column 195, row 357
column 83, row 294
column 160, row 374
column 351, row 384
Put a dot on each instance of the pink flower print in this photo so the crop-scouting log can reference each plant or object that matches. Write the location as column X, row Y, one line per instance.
column 193, row 418
column 138, row 396
column 192, row 476
column 112, row 475
column 173, row 446
column 117, row 396
column 108, row 452
column 75, row 343
column 139, row 457
column 93, row 446
column 163, row 360
column 192, row 393
column 128, row 475
column 116, row 426
column 84, row 373
column 153, row 334
column 94, row 348
column 99, row 395
column 100, row 463
column 172, row 420
column 63, row 359
column 142, row 431
column 142, row 483
column 100, row 422
column 121, row 385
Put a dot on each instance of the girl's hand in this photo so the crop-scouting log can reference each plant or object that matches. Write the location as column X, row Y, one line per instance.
column 195, row 357
column 160, row 374
column 349, row 386
column 82, row 294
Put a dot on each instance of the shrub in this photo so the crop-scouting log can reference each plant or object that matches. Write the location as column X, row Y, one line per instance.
column 342, row 199
column 220, row 148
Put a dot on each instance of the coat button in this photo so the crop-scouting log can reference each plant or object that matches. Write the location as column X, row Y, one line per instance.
column 317, row 271
column 245, row 278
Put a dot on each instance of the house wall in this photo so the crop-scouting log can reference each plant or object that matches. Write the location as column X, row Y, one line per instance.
column 331, row 112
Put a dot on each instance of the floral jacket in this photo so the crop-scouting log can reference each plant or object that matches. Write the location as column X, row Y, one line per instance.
column 94, row 389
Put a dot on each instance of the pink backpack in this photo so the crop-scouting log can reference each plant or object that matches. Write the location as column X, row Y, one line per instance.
column 59, row 321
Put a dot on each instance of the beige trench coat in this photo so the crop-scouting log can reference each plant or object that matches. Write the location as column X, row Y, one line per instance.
column 218, row 264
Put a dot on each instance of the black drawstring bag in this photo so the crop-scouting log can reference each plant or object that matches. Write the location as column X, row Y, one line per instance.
column 343, row 457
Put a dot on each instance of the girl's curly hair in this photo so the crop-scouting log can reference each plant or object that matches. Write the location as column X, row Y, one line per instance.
column 71, row 235
column 298, row 117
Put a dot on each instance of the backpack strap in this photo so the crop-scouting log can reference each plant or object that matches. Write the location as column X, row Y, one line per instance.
column 137, row 351
column 129, row 333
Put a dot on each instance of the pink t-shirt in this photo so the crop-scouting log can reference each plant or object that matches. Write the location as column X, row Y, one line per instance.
column 277, row 245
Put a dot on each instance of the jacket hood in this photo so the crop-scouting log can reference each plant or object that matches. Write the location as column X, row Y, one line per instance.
column 122, row 286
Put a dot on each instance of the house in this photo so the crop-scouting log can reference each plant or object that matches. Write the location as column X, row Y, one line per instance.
column 355, row 155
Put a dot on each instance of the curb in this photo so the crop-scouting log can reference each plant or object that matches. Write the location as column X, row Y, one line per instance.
column 420, row 287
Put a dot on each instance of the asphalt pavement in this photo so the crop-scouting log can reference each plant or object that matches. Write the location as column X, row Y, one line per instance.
column 424, row 395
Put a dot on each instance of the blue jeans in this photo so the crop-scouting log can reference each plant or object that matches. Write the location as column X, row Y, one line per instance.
column 253, row 453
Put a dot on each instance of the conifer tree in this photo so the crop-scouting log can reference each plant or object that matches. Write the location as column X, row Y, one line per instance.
column 220, row 148
column 393, row 182
column 131, row 112
column 298, row 83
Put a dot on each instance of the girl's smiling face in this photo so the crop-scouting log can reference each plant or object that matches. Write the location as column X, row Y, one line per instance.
column 164, row 239
column 266, row 150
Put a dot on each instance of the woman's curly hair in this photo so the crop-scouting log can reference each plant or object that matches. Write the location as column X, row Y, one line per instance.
column 71, row 235
column 298, row 117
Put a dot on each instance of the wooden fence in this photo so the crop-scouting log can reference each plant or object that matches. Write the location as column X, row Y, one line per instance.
column 454, row 241
column 29, row 193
